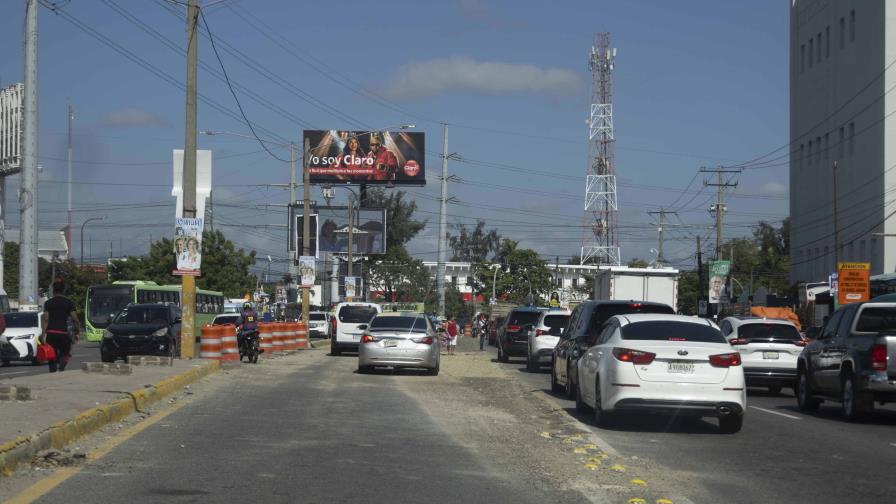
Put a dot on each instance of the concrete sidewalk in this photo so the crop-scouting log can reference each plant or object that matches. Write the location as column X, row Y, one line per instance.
column 62, row 407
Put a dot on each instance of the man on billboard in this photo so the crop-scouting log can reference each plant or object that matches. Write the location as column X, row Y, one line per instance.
column 384, row 162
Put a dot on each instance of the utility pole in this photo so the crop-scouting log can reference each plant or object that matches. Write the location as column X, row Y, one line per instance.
column 210, row 213
column 700, row 283
column 443, row 223
column 836, row 224
column 719, row 207
column 660, row 259
column 68, row 228
column 28, row 288
column 306, row 220
column 351, row 226
column 188, row 283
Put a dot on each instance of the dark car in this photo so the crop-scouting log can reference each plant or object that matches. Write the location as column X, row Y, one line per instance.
column 142, row 329
column 513, row 334
column 581, row 333
column 493, row 326
column 852, row 362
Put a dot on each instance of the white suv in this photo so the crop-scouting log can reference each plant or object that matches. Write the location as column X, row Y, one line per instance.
column 345, row 335
column 543, row 337
column 769, row 349
column 318, row 324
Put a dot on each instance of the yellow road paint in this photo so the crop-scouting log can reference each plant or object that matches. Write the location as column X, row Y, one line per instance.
column 572, row 439
column 592, row 466
column 46, row 485
column 589, row 446
column 546, row 435
column 663, row 501
column 595, row 460
column 617, row 468
column 639, row 482
column 637, row 500
column 580, row 450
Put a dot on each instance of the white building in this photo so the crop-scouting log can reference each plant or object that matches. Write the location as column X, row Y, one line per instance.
column 842, row 55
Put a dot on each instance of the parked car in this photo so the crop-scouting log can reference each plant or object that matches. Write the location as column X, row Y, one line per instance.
column 20, row 339
column 345, row 331
column 769, row 349
column 512, row 338
column 142, row 329
column 582, row 330
column 399, row 340
column 319, row 324
column 853, row 361
column 234, row 319
column 658, row 363
column 543, row 337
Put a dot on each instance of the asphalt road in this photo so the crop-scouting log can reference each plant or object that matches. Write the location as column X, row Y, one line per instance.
column 320, row 433
column 81, row 352
column 781, row 455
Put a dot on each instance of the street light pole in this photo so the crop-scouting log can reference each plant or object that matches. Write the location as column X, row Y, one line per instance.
column 306, row 221
column 82, row 235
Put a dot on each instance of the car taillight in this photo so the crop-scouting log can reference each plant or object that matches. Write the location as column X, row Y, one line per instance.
column 633, row 356
column 879, row 357
column 426, row 341
column 725, row 360
column 513, row 328
column 739, row 341
column 801, row 342
column 540, row 332
column 367, row 339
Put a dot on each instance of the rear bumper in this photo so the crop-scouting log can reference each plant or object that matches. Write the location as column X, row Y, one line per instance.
column 882, row 386
column 664, row 406
column 515, row 348
column 318, row 332
column 425, row 356
column 759, row 376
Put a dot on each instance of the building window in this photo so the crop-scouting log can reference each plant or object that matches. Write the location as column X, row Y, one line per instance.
column 862, row 256
column 803, row 58
column 827, row 144
column 852, row 25
column 454, row 281
column 575, row 283
column 842, row 33
column 811, row 50
column 827, row 42
column 852, row 138
column 842, row 141
column 818, row 52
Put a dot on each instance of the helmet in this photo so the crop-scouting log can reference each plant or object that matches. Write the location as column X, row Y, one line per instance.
column 247, row 306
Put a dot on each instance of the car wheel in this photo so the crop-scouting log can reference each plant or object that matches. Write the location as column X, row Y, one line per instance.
column 555, row 387
column 602, row 418
column 106, row 357
column 334, row 348
column 434, row 371
column 581, row 406
column 774, row 390
column 804, row 398
column 364, row 369
column 855, row 403
column 570, row 386
column 502, row 357
column 731, row 424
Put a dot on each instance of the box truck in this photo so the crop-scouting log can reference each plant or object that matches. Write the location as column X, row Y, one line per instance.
column 639, row 284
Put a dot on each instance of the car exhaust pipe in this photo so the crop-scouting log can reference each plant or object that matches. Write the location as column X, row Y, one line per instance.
column 724, row 410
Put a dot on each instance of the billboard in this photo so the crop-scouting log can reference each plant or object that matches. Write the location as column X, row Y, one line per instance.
column 330, row 231
column 366, row 157
column 718, row 281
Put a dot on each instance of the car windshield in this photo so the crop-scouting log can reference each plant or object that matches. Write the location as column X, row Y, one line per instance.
column 229, row 319
column 398, row 323
column 603, row 312
column 317, row 316
column 102, row 302
column 519, row 318
column 877, row 319
column 21, row 319
column 768, row 331
column 143, row 315
column 665, row 330
column 356, row 314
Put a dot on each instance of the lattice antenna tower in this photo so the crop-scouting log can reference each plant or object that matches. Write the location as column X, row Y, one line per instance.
column 599, row 245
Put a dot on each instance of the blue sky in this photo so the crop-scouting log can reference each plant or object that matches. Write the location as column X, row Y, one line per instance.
column 697, row 83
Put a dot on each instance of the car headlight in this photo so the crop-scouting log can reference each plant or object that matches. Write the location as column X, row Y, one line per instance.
column 107, row 334
column 161, row 332
column 24, row 336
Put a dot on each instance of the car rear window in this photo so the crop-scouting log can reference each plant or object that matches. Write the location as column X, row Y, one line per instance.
column 662, row 330
column 877, row 319
column 602, row 313
column 519, row 318
column 356, row 314
column 768, row 331
column 317, row 316
column 556, row 321
column 231, row 319
column 400, row 323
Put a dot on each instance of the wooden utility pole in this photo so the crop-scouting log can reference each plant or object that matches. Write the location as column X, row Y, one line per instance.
column 719, row 207
column 188, row 282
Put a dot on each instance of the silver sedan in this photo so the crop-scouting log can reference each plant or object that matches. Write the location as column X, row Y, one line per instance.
column 399, row 339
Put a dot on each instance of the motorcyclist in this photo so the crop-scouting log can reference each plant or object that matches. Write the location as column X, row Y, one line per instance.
column 249, row 320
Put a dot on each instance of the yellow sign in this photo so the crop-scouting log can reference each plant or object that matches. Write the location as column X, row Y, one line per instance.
column 853, row 282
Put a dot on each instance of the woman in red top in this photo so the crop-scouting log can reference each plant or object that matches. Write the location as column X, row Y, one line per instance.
column 452, row 335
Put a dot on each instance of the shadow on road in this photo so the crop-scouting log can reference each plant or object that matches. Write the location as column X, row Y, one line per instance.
column 831, row 411
column 654, row 423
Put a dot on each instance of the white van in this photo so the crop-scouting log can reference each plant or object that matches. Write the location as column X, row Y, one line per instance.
column 347, row 317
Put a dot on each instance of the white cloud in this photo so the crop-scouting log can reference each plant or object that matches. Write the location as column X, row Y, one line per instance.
column 773, row 188
column 438, row 76
column 133, row 118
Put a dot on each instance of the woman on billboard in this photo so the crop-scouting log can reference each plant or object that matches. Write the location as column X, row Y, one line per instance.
column 352, row 159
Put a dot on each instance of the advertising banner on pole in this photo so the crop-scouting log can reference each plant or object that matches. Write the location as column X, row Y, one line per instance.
column 853, row 282
column 366, row 157
column 350, row 286
column 718, row 281
column 188, row 246
column 307, row 271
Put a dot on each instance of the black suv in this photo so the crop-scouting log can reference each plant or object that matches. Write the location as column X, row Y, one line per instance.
column 581, row 333
column 142, row 329
column 513, row 334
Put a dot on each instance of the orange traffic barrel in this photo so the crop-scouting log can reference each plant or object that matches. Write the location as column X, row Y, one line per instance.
column 229, row 349
column 210, row 342
column 289, row 337
column 278, row 337
column 295, row 335
column 266, row 338
column 302, row 336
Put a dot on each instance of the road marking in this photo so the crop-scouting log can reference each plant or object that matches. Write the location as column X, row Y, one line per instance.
column 46, row 485
column 777, row 413
column 10, row 374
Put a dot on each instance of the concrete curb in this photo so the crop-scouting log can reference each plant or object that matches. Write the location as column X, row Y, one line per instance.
column 24, row 448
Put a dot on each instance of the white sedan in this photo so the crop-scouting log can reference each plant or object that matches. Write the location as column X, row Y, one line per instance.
column 662, row 364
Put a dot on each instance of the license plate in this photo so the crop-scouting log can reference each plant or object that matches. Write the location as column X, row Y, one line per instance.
column 356, row 337
column 769, row 355
column 390, row 343
column 681, row 367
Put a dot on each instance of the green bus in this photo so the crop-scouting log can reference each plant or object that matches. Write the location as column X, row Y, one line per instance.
column 105, row 300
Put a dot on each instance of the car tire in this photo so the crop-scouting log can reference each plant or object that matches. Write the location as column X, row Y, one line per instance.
column 804, row 398
column 502, row 357
column 602, row 418
column 855, row 403
column 731, row 424
column 570, row 391
column 555, row 387
column 106, row 357
column 581, row 406
column 775, row 390
column 334, row 349
column 434, row 371
column 364, row 369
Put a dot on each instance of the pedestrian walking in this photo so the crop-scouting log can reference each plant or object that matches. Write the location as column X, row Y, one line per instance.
column 452, row 335
column 58, row 310
column 481, row 327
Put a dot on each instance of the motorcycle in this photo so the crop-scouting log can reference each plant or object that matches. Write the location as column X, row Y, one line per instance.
column 249, row 345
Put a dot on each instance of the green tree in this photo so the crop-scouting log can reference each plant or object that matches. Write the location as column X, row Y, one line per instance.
column 474, row 245
column 401, row 277
column 689, row 290
column 11, row 270
column 521, row 268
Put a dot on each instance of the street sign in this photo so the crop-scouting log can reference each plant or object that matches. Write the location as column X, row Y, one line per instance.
column 853, row 282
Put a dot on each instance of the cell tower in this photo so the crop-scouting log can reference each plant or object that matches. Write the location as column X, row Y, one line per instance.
column 599, row 244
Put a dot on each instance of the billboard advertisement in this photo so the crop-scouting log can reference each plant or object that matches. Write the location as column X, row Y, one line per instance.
column 330, row 231
column 718, row 281
column 366, row 157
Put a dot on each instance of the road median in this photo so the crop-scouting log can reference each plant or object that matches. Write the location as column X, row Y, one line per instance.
column 64, row 407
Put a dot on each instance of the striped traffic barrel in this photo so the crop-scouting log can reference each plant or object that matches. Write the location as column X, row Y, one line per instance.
column 289, row 338
column 294, row 335
column 210, row 342
column 301, row 336
column 278, row 337
column 266, row 338
column 229, row 349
